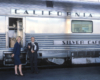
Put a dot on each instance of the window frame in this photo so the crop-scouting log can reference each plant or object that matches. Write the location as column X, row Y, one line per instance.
column 82, row 20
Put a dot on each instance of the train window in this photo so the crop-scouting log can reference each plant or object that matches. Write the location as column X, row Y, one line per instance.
column 81, row 26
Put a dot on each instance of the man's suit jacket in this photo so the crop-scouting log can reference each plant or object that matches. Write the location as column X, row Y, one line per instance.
column 30, row 44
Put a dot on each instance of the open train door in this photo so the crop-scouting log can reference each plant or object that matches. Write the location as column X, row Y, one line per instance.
column 15, row 27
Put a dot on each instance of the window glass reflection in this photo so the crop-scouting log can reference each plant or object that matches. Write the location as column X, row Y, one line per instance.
column 80, row 26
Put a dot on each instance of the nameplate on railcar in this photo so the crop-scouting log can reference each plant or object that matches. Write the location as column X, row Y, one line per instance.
column 76, row 42
column 51, row 13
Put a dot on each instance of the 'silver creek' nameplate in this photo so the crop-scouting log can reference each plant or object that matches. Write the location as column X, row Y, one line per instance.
column 76, row 42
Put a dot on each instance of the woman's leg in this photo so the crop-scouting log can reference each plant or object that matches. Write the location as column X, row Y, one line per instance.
column 16, row 69
column 20, row 69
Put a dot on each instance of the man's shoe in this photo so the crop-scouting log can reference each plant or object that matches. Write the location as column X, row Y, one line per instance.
column 36, row 72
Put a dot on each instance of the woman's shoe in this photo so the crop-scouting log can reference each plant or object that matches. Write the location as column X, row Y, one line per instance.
column 21, row 75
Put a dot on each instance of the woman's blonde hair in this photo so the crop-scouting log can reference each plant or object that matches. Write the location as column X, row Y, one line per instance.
column 18, row 37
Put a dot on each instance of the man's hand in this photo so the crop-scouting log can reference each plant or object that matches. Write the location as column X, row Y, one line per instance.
column 32, row 51
column 29, row 47
column 12, row 55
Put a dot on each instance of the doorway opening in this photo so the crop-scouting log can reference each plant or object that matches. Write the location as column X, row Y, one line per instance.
column 15, row 29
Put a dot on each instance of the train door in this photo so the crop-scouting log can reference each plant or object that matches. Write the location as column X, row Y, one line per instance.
column 15, row 28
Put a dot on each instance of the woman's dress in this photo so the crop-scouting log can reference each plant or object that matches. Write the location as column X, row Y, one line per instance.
column 16, row 51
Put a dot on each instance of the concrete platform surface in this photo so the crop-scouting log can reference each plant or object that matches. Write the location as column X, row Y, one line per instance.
column 76, row 73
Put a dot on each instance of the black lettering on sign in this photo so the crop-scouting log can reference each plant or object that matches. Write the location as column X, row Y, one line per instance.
column 81, row 42
column 42, row 12
column 26, row 12
column 96, row 42
column 83, row 14
column 73, row 42
column 63, row 42
column 50, row 12
column 59, row 13
column 68, row 13
column 90, row 15
column 16, row 11
column 88, row 42
column 77, row 14
column 34, row 12
column 69, row 42
column 93, row 42
column 77, row 42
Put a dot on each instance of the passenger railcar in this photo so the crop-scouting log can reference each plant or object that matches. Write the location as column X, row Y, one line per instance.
column 67, row 32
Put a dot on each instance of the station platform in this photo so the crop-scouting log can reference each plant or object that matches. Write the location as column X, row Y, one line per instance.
column 76, row 73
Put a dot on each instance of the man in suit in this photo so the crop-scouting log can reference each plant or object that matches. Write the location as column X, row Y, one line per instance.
column 32, row 52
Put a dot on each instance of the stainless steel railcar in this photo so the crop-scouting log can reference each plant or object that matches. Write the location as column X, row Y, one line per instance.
column 67, row 32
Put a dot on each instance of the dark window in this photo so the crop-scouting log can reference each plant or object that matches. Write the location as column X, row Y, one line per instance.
column 49, row 3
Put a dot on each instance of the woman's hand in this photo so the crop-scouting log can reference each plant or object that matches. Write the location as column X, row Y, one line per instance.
column 12, row 55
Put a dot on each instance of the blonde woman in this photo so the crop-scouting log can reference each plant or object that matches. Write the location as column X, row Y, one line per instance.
column 16, row 54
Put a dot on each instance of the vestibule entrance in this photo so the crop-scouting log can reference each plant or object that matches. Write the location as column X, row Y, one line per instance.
column 15, row 28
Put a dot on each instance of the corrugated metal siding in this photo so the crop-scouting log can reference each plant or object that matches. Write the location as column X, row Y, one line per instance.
column 46, row 41
column 2, row 40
